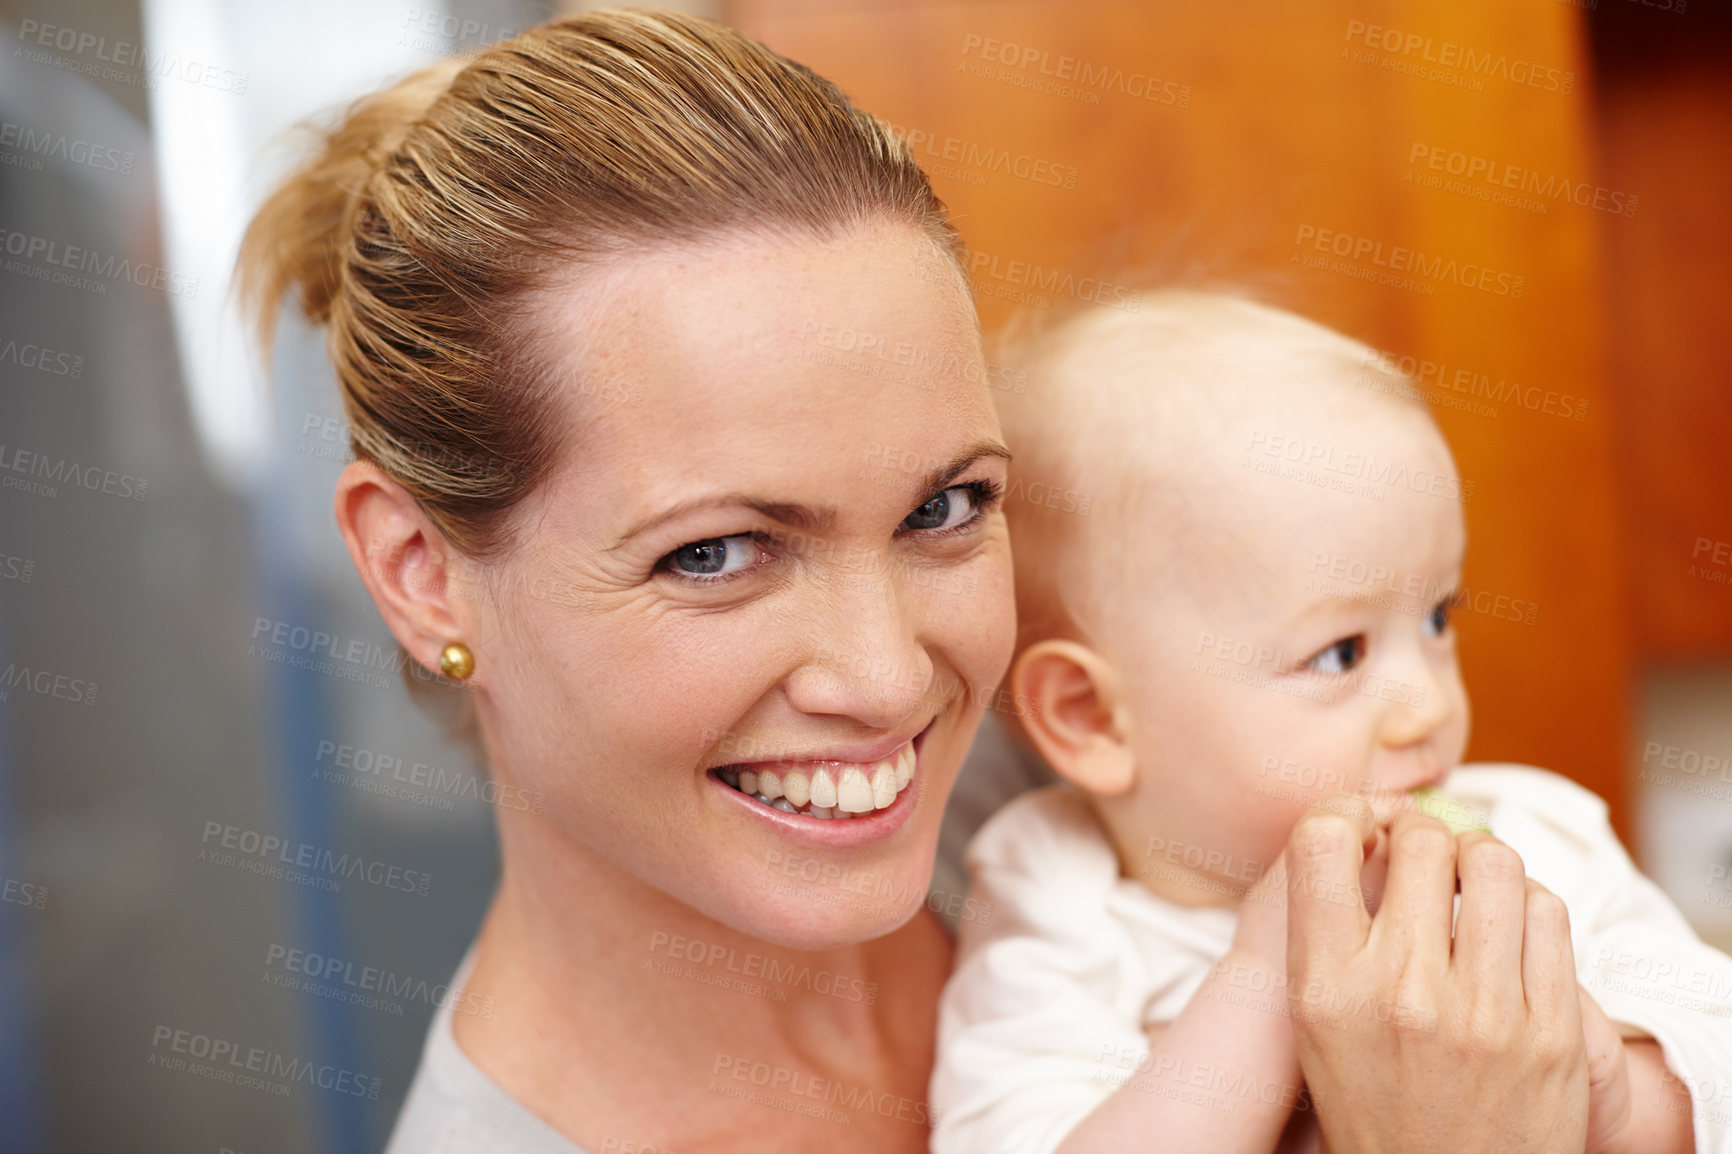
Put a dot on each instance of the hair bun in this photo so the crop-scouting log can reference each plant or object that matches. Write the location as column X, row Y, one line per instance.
column 297, row 237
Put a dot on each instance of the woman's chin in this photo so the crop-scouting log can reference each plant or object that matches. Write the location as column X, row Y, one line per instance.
column 819, row 916
column 826, row 930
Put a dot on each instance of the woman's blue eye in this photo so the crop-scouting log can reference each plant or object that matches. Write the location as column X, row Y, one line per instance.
column 715, row 557
column 1438, row 619
column 943, row 510
column 1340, row 657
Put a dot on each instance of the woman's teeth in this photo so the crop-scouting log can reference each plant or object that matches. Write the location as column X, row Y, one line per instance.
column 828, row 791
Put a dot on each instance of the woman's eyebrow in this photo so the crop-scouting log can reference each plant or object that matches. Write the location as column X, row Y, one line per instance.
column 944, row 474
column 809, row 518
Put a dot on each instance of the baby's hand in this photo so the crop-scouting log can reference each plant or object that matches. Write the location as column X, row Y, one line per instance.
column 1262, row 929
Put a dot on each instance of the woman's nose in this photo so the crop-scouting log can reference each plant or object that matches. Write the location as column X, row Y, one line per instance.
column 866, row 658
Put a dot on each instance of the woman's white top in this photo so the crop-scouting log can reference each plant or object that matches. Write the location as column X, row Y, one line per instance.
column 1043, row 1017
column 454, row 1108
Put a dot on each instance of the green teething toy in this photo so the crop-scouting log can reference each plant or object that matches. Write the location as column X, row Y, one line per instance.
column 1456, row 815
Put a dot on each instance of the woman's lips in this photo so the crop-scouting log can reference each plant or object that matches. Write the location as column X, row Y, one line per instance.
column 855, row 815
column 825, row 789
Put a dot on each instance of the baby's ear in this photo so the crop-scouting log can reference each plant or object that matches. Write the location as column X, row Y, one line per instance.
column 1076, row 715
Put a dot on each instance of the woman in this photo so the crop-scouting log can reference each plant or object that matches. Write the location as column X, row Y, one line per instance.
column 728, row 598
column 581, row 297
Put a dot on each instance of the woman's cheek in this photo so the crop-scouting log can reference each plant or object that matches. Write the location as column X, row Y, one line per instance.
column 984, row 625
column 701, row 691
column 582, row 704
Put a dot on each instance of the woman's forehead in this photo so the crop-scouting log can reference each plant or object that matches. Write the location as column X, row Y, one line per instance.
column 781, row 366
column 764, row 334
column 733, row 301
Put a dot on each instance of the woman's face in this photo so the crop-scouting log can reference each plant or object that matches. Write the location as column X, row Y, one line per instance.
column 772, row 546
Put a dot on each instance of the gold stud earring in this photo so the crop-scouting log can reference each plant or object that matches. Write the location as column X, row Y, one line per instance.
column 455, row 661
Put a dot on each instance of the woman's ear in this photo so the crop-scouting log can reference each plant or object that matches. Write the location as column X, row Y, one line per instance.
column 403, row 560
column 1076, row 715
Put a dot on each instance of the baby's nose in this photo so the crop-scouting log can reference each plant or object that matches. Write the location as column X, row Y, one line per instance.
column 1416, row 702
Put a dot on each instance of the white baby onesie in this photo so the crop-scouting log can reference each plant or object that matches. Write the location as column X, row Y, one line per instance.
column 1043, row 1017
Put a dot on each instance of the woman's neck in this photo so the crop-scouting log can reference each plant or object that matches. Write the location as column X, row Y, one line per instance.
column 621, row 1012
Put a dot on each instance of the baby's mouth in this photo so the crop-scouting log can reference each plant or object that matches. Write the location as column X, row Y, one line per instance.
column 825, row 789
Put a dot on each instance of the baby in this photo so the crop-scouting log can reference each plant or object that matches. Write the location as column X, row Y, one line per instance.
column 1254, row 615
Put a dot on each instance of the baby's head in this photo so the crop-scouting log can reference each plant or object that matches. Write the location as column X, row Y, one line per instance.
column 1254, row 610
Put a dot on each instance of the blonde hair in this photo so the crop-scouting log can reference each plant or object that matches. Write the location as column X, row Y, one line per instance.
column 1112, row 398
column 434, row 210
column 436, row 206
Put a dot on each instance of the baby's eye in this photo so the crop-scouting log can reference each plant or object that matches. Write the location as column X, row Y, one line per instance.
column 947, row 510
column 713, row 558
column 1341, row 657
column 1437, row 621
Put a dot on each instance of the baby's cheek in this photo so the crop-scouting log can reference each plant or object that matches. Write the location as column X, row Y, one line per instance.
column 1279, row 802
column 1270, row 820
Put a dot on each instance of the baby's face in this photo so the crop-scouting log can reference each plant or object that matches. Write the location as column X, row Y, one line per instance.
column 1302, row 645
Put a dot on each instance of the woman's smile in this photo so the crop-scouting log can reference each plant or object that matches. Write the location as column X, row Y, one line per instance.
column 837, row 799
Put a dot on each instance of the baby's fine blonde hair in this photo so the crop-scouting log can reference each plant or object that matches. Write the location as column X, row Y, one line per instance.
column 1117, row 403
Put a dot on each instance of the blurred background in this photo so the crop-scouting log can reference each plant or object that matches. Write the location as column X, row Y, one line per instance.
column 1522, row 203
